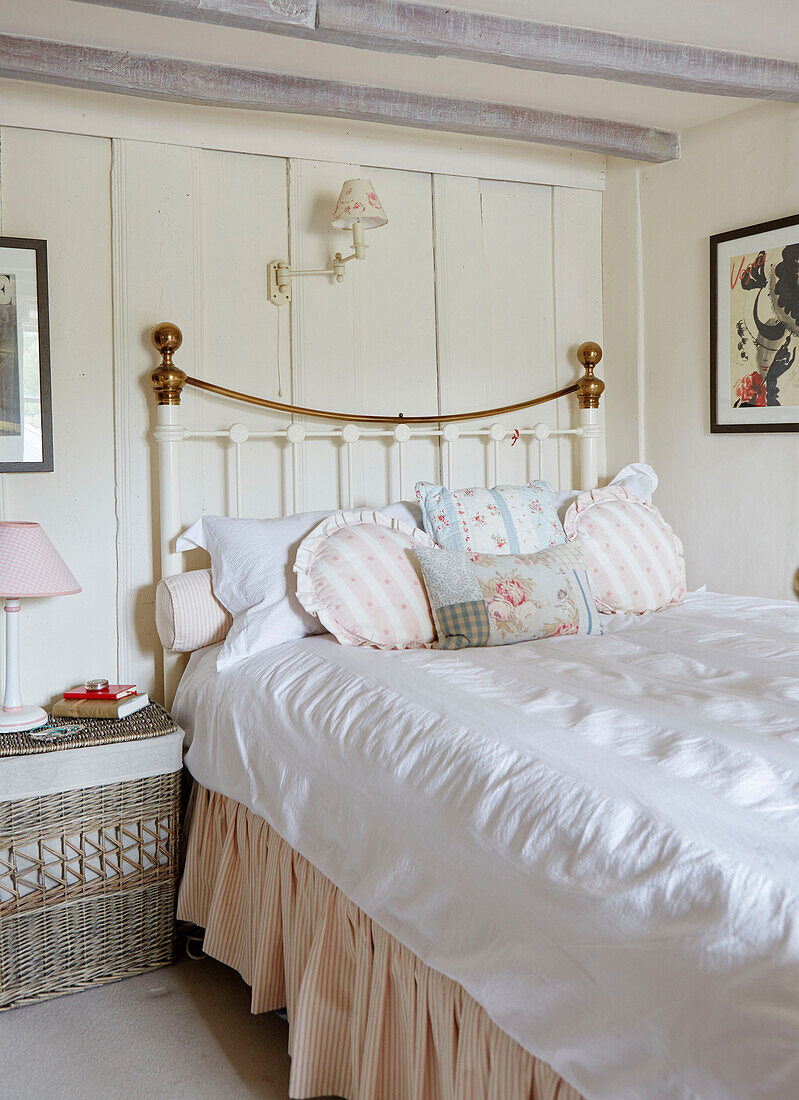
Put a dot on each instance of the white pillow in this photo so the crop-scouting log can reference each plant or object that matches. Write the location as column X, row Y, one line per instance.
column 252, row 563
column 406, row 511
column 252, row 571
column 637, row 478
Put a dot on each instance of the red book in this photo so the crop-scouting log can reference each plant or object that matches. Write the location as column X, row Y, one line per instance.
column 113, row 691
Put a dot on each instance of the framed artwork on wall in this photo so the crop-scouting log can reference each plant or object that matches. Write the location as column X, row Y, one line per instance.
column 754, row 328
column 26, row 424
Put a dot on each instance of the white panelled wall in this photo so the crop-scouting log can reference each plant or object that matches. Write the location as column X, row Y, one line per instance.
column 476, row 293
column 733, row 498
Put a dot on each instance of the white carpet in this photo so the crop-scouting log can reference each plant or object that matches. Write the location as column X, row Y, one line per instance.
column 181, row 1033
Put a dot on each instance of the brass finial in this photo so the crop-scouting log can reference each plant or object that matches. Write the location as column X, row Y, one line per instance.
column 167, row 380
column 590, row 389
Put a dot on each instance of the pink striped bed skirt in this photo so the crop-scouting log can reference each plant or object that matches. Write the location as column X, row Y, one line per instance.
column 368, row 1019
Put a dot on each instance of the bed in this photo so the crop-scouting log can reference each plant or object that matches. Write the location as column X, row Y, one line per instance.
column 558, row 868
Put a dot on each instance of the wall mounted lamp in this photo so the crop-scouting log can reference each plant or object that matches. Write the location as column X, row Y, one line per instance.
column 358, row 208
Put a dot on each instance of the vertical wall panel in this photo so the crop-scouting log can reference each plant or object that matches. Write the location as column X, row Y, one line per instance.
column 395, row 326
column 464, row 334
column 517, row 244
column 200, row 226
column 495, row 297
column 55, row 186
column 577, row 253
column 324, row 347
column 242, row 209
column 368, row 343
column 462, row 315
column 163, row 251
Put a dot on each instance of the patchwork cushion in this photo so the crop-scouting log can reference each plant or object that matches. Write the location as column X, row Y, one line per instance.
column 495, row 599
column 509, row 519
column 633, row 557
column 357, row 572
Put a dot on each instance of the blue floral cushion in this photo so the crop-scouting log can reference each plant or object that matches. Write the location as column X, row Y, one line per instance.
column 509, row 519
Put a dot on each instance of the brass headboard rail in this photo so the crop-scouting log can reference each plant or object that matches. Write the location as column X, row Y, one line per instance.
column 168, row 381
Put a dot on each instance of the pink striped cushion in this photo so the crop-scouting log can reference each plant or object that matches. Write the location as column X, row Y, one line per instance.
column 188, row 615
column 357, row 572
column 634, row 559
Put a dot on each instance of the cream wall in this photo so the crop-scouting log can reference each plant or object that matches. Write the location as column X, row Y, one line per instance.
column 477, row 292
column 55, row 186
column 733, row 499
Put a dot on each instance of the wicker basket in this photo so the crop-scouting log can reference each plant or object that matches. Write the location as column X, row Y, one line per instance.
column 88, row 884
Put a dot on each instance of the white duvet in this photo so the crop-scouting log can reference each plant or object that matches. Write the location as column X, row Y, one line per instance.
column 597, row 837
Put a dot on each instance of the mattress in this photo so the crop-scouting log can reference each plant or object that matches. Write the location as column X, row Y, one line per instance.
column 596, row 836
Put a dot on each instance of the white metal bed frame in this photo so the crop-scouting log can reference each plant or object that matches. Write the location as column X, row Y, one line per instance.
column 168, row 382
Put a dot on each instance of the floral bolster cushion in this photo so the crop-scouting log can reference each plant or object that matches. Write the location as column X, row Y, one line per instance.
column 356, row 571
column 494, row 599
column 509, row 519
column 633, row 557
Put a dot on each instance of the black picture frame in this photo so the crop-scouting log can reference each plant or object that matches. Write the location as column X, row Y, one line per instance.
column 45, row 464
column 718, row 316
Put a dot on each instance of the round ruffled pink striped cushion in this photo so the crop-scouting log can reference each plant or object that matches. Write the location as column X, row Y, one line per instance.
column 357, row 573
column 634, row 559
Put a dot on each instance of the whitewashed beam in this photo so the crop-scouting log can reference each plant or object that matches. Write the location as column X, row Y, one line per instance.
column 411, row 28
column 501, row 40
column 222, row 86
column 257, row 15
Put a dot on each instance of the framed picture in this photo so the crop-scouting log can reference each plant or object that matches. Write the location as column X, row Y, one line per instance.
column 26, row 425
column 754, row 328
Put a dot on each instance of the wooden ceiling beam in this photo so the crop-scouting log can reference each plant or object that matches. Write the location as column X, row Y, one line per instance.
column 276, row 16
column 424, row 30
column 166, row 78
column 413, row 28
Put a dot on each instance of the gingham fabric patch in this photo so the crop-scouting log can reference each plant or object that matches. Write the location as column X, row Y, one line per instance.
column 463, row 624
column 495, row 599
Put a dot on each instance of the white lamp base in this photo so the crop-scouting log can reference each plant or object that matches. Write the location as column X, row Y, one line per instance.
column 26, row 718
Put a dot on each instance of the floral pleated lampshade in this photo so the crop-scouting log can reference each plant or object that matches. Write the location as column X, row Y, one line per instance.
column 358, row 202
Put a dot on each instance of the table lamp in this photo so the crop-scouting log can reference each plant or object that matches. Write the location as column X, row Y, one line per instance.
column 29, row 566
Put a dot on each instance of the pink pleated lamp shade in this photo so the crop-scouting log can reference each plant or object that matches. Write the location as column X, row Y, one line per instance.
column 30, row 565
column 358, row 202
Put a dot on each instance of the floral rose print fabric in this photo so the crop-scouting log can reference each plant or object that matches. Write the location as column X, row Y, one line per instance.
column 495, row 599
column 509, row 519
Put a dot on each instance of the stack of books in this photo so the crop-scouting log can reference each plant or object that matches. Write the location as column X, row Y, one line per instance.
column 113, row 701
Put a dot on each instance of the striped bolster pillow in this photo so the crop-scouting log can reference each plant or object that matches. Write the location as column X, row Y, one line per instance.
column 188, row 615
